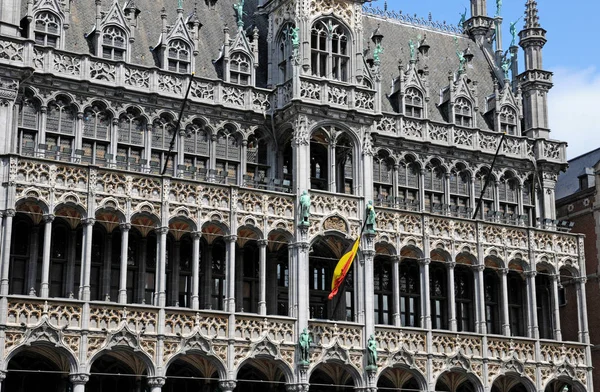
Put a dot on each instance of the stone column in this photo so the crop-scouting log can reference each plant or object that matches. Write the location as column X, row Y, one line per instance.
column 239, row 279
column 262, row 275
column 557, row 331
column 481, row 324
column 107, row 267
column 125, row 227
column 584, row 336
column 504, row 299
column 452, row 325
column 368, row 286
column 173, row 286
column 196, row 270
column 6, row 239
column 421, row 189
column 161, row 268
column 2, row 378
column 206, row 289
column 86, row 259
column 156, row 383
column 33, row 257
column 45, row 286
column 331, row 172
column 396, row 289
column 78, row 381
column 230, row 273
column 532, row 328
column 425, row 296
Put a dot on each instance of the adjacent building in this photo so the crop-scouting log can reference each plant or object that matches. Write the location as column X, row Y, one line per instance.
column 154, row 243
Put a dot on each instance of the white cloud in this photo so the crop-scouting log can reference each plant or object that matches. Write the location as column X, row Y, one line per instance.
column 574, row 109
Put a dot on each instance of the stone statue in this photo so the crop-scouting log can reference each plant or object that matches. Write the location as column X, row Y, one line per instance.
column 239, row 10
column 463, row 18
column 372, row 352
column 413, row 46
column 498, row 7
column 304, row 208
column 295, row 37
column 506, row 64
column 377, row 52
column 304, row 345
column 370, row 225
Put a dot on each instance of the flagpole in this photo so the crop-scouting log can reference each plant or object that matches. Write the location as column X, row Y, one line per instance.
column 172, row 145
column 487, row 179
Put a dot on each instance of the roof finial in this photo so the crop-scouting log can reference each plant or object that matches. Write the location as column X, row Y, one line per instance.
column 532, row 20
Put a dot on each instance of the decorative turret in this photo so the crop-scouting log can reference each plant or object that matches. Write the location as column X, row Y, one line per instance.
column 535, row 82
column 480, row 25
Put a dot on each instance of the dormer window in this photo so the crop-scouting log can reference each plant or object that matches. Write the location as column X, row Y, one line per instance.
column 178, row 56
column 330, row 50
column 113, row 43
column 47, row 29
column 413, row 103
column 239, row 68
column 508, row 121
column 463, row 113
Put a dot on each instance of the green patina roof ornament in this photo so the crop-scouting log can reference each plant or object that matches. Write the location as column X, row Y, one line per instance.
column 513, row 31
column 294, row 36
column 463, row 18
column 498, row 7
column 413, row 46
column 506, row 63
column 180, row 4
column 461, row 57
column 377, row 52
column 239, row 10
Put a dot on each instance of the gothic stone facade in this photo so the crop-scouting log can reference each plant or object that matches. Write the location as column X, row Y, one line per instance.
column 117, row 276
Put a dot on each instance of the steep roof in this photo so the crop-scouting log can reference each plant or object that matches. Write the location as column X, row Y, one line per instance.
column 568, row 182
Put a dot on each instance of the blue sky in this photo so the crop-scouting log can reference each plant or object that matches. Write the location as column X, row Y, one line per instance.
column 572, row 53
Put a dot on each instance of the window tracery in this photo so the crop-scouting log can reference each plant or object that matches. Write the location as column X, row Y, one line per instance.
column 114, row 43
column 330, row 50
column 96, row 133
column 60, row 127
column 508, row 121
column 413, row 103
column 47, row 29
column 240, row 70
column 131, row 136
column 463, row 112
column 178, row 56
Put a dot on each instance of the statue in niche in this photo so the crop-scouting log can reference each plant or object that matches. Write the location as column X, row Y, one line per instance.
column 304, row 344
column 372, row 352
column 294, row 36
column 304, row 208
column 371, row 218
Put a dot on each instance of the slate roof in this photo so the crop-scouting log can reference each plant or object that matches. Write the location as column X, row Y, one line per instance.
column 442, row 54
column 568, row 181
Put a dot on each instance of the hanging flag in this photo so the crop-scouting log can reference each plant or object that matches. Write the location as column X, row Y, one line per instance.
column 342, row 268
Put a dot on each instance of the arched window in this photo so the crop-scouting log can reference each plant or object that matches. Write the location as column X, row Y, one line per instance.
column 240, row 69
column 28, row 123
column 516, row 314
column 114, row 43
column 196, row 145
column 162, row 134
column 463, row 112
column 383, row 301
column 508, row 190
column 60, row 128
column 508, row 120
column 178, row 56
column 460, row 191
column 438, row 286
column 46, row 29
column 463, row 291
column 319, row 161
column 228, row 153
column 487, row 203
column 330, row 47
column 408, row 184
column 96, row 133
column 410, row 293
column 344, row 165
column 544, row 295
column 434, row 178
column 413, row 103
column 132, row 128
column 257, row 165
column 528, row 193
column 492, row 308
column 383, row 170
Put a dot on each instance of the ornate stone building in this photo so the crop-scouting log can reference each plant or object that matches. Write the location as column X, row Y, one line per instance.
column 128, row 265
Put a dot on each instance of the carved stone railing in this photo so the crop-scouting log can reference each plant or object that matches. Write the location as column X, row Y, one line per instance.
column 336, row 94
column 347, row 335
column 142, row 79
column 471, row 139
column 251, row 328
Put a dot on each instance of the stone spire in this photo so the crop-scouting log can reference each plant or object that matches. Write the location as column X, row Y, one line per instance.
column 535, row 81
column 480, row 24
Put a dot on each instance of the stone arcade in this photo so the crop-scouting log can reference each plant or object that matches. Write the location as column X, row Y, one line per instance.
column 116, row 278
